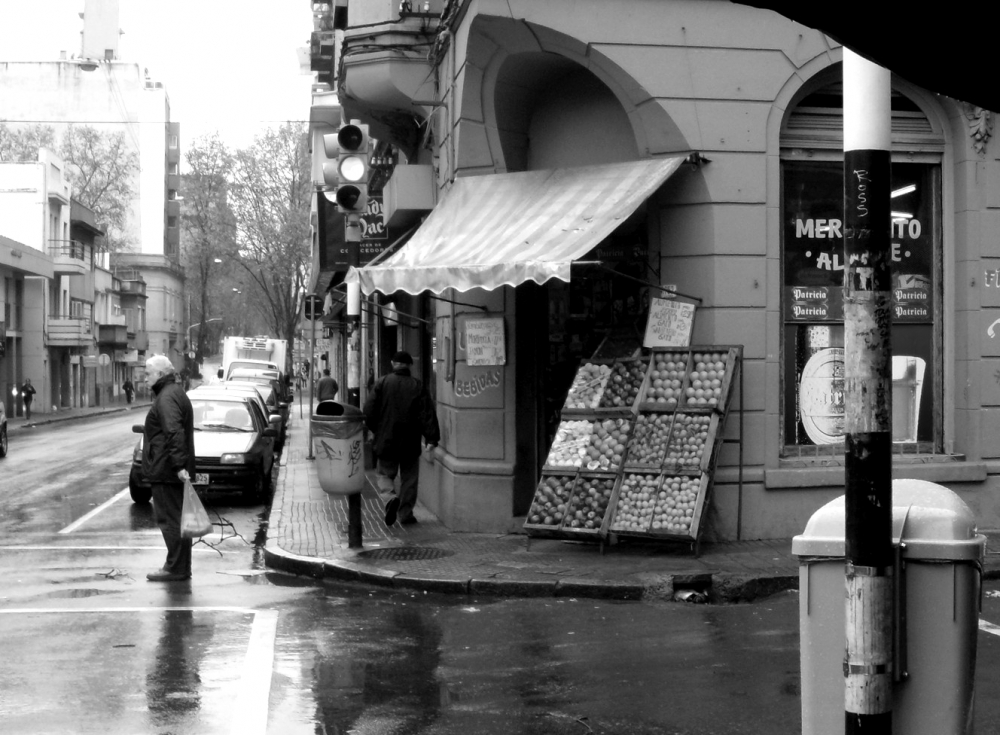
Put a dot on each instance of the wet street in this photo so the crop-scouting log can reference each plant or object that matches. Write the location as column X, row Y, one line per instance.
column 89, row 646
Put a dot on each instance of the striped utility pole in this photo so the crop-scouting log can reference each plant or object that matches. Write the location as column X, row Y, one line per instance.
column 868, row 397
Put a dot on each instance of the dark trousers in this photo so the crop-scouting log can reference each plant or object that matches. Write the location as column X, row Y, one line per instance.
column 409, row 477
column 27, row 409
column 167, row 502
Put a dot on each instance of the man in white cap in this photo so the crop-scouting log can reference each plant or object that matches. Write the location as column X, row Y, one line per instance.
column 167, row 461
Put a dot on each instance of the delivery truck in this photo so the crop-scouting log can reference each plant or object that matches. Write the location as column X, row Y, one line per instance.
column 254, row 353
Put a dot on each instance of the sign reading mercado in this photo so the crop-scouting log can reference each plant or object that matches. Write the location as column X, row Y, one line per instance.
column 814, row 242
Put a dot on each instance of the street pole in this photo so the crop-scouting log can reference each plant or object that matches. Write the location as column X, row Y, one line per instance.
column 354, row 529
column 869, row 620
column 312, row 371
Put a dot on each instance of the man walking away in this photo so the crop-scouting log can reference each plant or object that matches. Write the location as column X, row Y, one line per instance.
column 27, row 395
column 399, row 410
column 167, row 461
column 129, row 390
column 326, row 389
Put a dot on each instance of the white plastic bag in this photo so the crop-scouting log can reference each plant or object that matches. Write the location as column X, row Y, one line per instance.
column 194, row 518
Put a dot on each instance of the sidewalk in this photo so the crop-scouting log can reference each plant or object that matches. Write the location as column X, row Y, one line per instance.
column 69, row 414
column 308, row 535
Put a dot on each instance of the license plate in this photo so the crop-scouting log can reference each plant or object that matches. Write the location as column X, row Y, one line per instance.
column 200, row 478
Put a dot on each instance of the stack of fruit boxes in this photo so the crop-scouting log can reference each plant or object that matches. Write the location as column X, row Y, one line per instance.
column 583, row 468
column 670, row 459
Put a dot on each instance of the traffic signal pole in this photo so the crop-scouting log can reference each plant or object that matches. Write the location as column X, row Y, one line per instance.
column 868, row 660
column 354, row 528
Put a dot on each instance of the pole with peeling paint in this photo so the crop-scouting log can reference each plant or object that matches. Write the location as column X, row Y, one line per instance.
column 868, row 398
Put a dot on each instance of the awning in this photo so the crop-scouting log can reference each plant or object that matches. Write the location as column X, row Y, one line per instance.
column 506, row 229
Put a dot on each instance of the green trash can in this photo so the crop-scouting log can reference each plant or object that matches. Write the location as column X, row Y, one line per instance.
column 338, row 446
column 938, row 585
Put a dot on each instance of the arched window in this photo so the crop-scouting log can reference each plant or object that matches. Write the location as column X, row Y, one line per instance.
column 812, row 273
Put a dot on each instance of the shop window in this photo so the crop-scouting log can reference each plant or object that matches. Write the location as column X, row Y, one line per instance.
column 813, row 397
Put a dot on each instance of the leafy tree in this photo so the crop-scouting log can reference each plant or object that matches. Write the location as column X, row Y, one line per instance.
column 272, row 191
column 102, row 169
column 22, row 144
column 208, row 231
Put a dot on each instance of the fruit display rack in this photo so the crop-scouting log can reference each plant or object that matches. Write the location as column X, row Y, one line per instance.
column 606, row 387
column 568, row 505
column 660, row 505
column 659, row 457
column 596, row 444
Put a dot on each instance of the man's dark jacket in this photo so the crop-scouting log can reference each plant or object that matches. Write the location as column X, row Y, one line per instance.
column 168, row 436
column 399, row 411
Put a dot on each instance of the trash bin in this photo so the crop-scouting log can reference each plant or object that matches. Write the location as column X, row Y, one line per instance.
column 338, row 438
column 938, row 592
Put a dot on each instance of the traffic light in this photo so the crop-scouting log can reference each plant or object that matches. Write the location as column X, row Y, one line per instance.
column 350, row 175
column 312, row 307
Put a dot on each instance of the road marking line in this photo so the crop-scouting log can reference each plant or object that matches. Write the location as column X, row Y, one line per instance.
column 988, row 627
column 254, row 688
column 250, row 710
column 83, row 519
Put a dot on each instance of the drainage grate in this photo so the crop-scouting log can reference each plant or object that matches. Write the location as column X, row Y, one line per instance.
column 406, row 553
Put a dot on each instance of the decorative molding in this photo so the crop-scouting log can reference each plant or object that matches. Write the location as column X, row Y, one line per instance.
column 980, row 126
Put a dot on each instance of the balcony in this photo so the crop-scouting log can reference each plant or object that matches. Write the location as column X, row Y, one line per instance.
column 113, row 335
column 70, row 257
column 68, row 332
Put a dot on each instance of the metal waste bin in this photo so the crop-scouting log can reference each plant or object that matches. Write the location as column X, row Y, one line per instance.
column 938, row 579
column 337, row 435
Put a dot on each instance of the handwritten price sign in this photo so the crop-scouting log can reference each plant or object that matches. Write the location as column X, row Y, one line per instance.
column 484, row 342
column 670, row 323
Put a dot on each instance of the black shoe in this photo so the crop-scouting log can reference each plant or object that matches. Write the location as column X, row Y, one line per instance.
column 161, row 575
column 391, row 508
column 408, row 521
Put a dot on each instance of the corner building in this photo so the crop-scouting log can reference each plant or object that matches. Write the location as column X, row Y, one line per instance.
column 748, row 221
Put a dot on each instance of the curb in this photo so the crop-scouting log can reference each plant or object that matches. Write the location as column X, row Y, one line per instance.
column 718, row 588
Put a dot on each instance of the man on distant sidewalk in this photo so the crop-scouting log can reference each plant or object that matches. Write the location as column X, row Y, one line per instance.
column 28, row 396
column 399, row 410
column 326, row 389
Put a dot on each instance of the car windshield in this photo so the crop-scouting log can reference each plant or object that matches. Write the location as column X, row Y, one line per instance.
column 220, row 415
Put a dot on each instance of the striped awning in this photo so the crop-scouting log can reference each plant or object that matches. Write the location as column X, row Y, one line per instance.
column 506, row 229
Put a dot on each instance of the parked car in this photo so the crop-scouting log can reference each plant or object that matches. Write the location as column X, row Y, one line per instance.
column 233, row 446
column 276, row 409
column 262, row 378
column 3, row 431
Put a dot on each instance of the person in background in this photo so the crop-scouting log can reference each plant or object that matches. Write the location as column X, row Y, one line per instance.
column 399, row 411
column 167, row 461
column 326, row 389
column 129, row 390
column 27, row 395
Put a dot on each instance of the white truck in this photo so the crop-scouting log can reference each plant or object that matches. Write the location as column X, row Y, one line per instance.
column 254, row 353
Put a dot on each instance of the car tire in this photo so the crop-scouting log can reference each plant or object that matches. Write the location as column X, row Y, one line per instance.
column 3, row 442
column 139, row 493
column 256, row 491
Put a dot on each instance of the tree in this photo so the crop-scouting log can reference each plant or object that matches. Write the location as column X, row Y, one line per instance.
column 272, row 193
column 102, row 169
column 23, row 143
column 208, row 230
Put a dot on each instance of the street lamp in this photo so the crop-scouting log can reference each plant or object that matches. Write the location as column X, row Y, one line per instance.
column 213, row 319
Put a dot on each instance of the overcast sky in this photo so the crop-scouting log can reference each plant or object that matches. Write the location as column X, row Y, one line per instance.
column 227, row 66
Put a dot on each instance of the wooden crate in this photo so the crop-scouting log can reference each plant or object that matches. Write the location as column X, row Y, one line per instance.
column 537, row 512
column 657, row 529
column 620, row 367
column 632, row 461
column 674, row 355
column 626, row 517
column 578, row 382
column 680, row 435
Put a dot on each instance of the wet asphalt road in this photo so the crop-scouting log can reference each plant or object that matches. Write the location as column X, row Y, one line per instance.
column 89, row 646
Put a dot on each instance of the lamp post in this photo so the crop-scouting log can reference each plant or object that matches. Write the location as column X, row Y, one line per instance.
column 200, row 339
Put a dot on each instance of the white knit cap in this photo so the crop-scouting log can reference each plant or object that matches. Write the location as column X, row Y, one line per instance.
column 160, row 364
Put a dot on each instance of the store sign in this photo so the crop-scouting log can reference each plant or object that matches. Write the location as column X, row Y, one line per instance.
column 478, row 387
column 670, row 323
column 374, row 231
column 814, row 242
column 484, row 342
